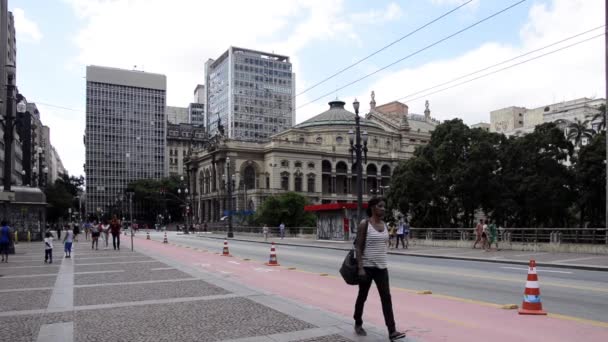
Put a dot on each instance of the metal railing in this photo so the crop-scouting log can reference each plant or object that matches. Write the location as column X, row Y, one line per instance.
column 594, row 236
column 272, row 231
column 519, row 235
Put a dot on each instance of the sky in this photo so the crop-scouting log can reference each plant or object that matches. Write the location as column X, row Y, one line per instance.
column 57, row 39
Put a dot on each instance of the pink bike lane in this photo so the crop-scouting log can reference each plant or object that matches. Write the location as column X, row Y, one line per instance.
column 425, row 317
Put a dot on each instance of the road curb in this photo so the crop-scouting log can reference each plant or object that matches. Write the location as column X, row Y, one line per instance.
column 452, row 257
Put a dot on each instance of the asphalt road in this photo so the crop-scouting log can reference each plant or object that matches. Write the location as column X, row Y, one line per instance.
column 572, row 292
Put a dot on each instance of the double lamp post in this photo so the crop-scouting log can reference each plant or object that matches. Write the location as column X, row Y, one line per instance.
column 358, row 155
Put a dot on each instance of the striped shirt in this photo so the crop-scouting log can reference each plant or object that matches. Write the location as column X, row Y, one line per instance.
column 376, row 244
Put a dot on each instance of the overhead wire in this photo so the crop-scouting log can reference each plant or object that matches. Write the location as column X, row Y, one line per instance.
column 383, row 48
column 508, row 67
column 418, row 51
column 501, row 63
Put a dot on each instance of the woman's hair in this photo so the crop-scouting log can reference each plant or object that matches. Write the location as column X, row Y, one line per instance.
column 373, row 202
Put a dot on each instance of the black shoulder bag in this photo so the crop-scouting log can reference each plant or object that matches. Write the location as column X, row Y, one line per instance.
column 349, row 269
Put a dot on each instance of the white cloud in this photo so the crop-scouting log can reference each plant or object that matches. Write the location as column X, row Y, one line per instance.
column 176, row 40
column 474, row 4
column 66, row 136
column 572, row 73
column 392, row 12
column 27, row 30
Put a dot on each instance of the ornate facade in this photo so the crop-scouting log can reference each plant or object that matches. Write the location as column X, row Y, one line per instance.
column 312, row 158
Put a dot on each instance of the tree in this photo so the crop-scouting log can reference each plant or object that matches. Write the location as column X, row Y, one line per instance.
column 591, row 181
column 287, row 208
column 578, row 130
column 154, row 197
column 602, row 117
column 62, row 195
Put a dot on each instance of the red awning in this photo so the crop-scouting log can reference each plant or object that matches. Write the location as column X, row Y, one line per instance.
column 333, row 206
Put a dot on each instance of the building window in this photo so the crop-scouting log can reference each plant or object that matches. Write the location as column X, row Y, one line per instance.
column 311, row 165
column 285, row 181
column 298, row 183
column 311, row 183
column 319, row 140
column 284, row 163
column 267, row 182
column 298, row 164
column 339, row 139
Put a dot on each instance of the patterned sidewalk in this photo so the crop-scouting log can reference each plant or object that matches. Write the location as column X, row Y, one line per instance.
column 109, row 295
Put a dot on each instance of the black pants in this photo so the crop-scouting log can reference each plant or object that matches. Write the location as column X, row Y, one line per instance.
column 400, row 237
column 116, row 241
column 48, row 255
column 380, row 277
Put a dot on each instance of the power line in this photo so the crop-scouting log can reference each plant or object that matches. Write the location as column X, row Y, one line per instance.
column 383, row 48
column 418, row 51
column 60, row 107
column 500, row 63
column 508, row 67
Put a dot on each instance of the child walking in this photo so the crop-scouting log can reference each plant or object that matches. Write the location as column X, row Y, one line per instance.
column 48, row 248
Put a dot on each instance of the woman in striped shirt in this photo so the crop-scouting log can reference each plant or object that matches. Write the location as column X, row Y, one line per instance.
column 371, row 249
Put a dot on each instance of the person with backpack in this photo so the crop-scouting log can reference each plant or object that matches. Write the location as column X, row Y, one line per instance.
column 48, row 248
column 371, row 251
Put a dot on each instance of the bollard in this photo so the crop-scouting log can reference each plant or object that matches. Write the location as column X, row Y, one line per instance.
column 29, row 236
column 16, row 237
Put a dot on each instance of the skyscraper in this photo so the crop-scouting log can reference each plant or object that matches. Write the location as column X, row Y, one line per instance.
column 252, row 92
column 125, row 132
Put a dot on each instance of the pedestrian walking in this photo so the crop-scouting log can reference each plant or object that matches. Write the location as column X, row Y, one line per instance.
column 67, row 241
column 400, row 233
column 282, row 230
column 95, row 236
column 76, row 231
column 265, row 231
column 371, row 251
column 392, row 235
column 5, row 240
column 484, row 237
column 478, row 234
column 492, row 235
column 105, row 233
column 115, row 230
column 58, row 228
column 48, row 248
column 87, row 230
column 406, row 232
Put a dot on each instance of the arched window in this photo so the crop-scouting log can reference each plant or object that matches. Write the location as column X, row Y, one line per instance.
column 285, row 181
column 311, row 182
column 249, row 177
column 326, row 166
column 298, row 182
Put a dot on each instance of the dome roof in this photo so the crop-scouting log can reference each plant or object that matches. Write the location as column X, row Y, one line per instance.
column 336, row 115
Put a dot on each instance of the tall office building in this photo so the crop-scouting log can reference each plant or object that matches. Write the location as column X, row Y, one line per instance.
column 252, row 92
column 125, row 132
column 177, row 115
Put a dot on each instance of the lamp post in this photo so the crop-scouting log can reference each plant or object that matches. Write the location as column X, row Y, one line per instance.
column 184, row 190
column 9, row 125
column 358, row 147
column 229, row 201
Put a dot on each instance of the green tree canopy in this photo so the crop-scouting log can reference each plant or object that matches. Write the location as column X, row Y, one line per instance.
column 287, row 208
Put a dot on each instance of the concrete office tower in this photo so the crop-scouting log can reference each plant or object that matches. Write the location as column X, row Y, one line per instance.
column 252, row 92
column 125, row 133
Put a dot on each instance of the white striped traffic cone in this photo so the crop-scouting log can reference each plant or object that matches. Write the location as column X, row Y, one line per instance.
column 273, row 257
column 532, row 304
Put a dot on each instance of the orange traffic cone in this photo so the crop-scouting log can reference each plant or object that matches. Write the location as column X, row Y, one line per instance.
column 273, row 257
column 532, row 304
column 165, row 238
column 225, row 252
column 147, row 235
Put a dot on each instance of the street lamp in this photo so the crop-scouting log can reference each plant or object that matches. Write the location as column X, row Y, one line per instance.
column 184, row 190
column 358, row 151
column 229, row 190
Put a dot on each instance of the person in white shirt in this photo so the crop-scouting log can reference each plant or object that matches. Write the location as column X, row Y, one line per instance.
column 67, row 241
column 48, row 248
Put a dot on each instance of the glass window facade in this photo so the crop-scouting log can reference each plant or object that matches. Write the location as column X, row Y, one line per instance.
column 252, row 93
column 125, row 140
